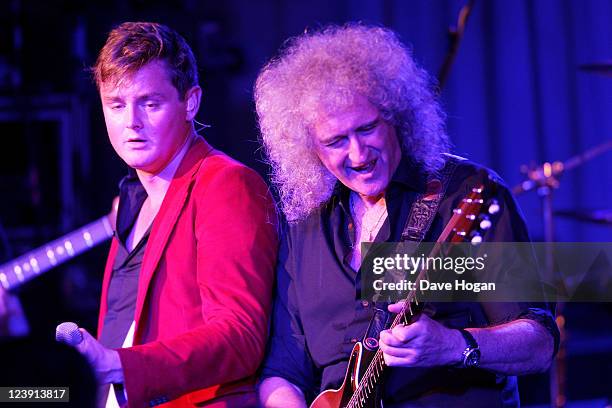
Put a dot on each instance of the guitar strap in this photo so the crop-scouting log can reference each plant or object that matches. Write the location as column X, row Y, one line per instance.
column 418, row 222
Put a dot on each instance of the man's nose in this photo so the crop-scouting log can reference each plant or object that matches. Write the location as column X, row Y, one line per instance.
column 133, row 119
column 358, row 151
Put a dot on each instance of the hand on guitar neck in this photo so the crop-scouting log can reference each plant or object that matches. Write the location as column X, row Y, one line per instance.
column 423, row 343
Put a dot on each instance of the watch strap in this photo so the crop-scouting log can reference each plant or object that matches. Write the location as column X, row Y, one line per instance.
column 469, row 339
column 470, row 357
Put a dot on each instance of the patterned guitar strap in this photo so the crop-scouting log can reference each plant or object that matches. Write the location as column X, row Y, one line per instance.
column 418, row 222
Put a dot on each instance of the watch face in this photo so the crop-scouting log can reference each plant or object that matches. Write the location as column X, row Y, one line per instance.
column 473, row 358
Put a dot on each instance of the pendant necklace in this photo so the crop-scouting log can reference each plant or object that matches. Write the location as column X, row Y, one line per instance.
column 367, row 221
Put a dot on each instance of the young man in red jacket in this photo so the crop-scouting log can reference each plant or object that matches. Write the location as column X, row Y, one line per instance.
column 187, row 287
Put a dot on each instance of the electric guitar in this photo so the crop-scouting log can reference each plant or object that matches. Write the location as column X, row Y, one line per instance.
column 40, row 260
column 361, row 386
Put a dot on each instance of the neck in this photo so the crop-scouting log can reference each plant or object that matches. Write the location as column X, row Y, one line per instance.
column 157, row 184
column 363, row 208
column 371, row 201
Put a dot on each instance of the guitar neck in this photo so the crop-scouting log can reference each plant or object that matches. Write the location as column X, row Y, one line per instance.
column 377, row 366
column 20, row 270
column 455, row 230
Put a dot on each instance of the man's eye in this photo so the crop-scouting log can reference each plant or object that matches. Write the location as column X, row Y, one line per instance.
column 334, row 142
column 152, row 105
column 116, row 106
column 368, row 128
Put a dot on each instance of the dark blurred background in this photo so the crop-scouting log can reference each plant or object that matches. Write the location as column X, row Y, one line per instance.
column 515, row 95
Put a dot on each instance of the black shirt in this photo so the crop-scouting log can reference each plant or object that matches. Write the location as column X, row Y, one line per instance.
column 123, row 286
column 319, row 314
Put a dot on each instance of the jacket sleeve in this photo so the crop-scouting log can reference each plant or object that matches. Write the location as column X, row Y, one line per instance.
column 236, row 233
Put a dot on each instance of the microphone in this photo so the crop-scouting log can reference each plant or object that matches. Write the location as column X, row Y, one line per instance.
column 68, row 333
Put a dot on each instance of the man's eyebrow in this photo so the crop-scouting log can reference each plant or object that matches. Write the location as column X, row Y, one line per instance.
column 151, row 95
column 111, row 98
column 332, row 138
column 143, row 97
column 370, row 123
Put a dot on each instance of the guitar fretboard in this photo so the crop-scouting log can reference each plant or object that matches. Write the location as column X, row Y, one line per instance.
column 20, row 270
column 457, row 228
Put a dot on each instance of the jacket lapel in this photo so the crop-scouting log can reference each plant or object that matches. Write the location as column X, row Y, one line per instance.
column 165, row 221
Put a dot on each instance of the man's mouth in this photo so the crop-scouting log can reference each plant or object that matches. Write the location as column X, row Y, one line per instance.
column 137, row 143
column 364, row 168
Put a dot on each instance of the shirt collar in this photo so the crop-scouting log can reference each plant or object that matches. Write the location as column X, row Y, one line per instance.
column 131, row 197
column 410, row 175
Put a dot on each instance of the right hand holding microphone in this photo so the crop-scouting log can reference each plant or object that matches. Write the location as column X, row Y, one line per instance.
column 105, row 361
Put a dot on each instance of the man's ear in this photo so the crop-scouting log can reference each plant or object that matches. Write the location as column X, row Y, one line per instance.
column 192, row 101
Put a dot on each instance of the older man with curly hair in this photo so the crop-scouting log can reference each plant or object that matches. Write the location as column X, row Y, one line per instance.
column 355, row 137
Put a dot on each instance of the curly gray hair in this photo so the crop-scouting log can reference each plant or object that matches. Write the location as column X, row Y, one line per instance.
column 322, row 72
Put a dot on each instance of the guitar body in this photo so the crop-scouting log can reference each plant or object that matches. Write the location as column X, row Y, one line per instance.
column 359, row 361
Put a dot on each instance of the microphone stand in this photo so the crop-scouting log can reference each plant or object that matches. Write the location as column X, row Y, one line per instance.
column 545, row 179
column 455, row 36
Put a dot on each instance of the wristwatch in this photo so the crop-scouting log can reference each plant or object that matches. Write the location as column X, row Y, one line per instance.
column 471, row 355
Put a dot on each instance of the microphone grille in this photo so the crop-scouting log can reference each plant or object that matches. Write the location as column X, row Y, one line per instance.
column 69, row 333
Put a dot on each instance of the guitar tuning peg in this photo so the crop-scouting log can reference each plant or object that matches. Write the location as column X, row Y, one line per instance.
column 485, row 223
column 494, row 207
column 476, row 238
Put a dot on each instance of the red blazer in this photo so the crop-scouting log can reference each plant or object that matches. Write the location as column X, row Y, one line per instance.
column 205, row 286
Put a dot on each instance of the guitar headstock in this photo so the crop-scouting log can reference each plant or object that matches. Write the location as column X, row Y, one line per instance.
column 473, row 216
